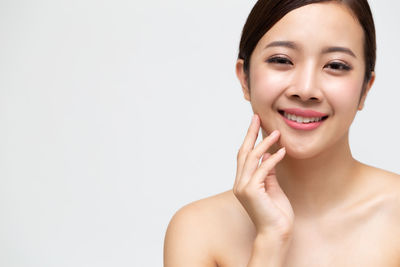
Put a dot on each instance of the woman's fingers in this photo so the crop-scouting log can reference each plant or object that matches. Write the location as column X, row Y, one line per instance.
column 265, row 168
column 255, row 180
column 248, row 145
column 265, row 157
column 253, row 158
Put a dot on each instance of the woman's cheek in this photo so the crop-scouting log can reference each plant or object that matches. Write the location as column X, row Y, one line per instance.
column 268, row 85
column 344, row 95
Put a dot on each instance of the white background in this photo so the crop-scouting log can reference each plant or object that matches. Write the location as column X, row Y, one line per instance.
column 114, row 114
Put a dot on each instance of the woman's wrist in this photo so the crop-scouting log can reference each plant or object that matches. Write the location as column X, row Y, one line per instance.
column 282, row 235
column 272, row 241
column 269, row 250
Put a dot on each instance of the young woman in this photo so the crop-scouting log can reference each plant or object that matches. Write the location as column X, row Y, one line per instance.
column 299, row 197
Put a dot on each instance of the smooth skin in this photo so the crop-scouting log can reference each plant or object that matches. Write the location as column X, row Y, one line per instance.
column 299, row 198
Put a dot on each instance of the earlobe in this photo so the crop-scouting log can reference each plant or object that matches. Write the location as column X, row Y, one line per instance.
column 241, row 75
column 368, row 87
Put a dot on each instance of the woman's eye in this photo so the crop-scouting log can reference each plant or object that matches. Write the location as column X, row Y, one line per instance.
column 280, row 60
column 338, row 66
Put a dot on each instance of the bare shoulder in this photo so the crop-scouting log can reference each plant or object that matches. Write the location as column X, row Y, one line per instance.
column 385, row 210
column 386, row 188
column 383, row 180
column 197, row 230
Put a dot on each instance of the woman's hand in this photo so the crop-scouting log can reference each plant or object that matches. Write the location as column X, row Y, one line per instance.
column 257, row 188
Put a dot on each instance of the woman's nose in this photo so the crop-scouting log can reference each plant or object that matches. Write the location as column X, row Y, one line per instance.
column 305, row 86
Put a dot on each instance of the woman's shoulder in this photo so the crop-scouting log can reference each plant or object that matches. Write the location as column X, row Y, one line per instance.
column 384, row 189
column 384, row 180
column 383, row 206
column 209, row 212
column 200, row 230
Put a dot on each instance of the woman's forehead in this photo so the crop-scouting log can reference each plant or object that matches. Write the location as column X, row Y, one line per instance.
column 318, row 25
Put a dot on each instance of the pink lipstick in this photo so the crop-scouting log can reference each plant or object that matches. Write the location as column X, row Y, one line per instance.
column 303, row 119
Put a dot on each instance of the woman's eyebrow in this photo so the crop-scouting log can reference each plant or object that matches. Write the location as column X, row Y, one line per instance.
column 333, row 49
column 287, row 44
column 292, row 45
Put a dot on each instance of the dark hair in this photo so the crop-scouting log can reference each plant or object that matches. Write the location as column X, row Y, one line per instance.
column 266, row 13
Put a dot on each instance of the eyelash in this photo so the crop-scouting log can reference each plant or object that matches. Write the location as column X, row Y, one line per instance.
column 279, row 60
column 336, row 66
column 339, row 66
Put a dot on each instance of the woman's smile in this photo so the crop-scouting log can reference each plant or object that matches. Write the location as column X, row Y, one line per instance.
column 302, row 119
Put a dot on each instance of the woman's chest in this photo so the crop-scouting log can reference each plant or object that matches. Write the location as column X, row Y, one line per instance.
column 366, row 236
column 369, row 242
column 347, row 251
column 350, row 247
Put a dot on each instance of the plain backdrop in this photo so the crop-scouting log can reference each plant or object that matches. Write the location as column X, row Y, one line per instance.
column 114, row 114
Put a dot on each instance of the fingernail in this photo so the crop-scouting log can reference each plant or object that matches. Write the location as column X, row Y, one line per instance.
column 282, row 150
column 254, row 118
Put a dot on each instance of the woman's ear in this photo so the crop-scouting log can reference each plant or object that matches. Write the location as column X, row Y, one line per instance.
column 368, row 87
column 243, row 79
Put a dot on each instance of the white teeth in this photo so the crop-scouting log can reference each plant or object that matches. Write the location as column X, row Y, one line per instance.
column 300, row 119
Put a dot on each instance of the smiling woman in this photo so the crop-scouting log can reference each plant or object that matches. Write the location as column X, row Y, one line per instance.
column 299, row 197
column 320, row 68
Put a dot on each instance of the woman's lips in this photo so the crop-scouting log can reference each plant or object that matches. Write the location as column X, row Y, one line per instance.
column 303, row 119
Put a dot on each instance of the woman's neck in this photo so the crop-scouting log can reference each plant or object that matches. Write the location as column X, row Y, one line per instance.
column 317, row 185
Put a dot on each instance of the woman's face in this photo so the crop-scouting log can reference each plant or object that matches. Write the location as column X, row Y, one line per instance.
column 306, row 77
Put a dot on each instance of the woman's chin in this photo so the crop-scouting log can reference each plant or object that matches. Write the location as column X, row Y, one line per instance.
column 301, row 151
column 300, row 155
